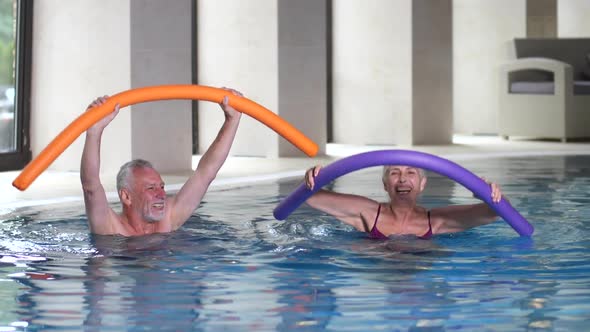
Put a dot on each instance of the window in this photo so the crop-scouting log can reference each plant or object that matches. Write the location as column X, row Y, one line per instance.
column 15, row 55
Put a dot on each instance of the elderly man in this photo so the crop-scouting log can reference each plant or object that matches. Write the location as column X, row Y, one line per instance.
column 146, row 207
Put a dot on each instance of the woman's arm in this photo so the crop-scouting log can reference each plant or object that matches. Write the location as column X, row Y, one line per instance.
column 347, row 208
column 456, row 218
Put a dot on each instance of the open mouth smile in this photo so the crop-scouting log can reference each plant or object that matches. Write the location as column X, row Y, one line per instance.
column 403, row 190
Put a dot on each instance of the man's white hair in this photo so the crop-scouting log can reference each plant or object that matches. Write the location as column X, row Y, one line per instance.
column 126, row 169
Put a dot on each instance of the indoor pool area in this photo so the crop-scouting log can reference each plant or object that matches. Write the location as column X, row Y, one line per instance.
column 157, row 160
column 233, row 267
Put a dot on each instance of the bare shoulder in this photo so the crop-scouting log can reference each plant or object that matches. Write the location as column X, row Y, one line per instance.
column 369, row 214
column 439, row 219
column 111, row 225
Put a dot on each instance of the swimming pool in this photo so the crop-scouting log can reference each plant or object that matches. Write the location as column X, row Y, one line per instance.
column 233, row 267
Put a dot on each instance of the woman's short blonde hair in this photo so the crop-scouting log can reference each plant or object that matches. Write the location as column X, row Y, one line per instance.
column 386, row 169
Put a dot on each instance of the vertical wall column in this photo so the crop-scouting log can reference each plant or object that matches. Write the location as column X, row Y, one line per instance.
column 483, row 40
column 161, row 53
column 88, row 49
column 572, row 20
column 392, row 72
column 273, row 51
column 541, row 18
column 432, row 71
column 80, row 51
column 372, row 72
column 302, row 70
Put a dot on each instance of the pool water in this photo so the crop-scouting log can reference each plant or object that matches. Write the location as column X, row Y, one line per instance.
column 232, row 267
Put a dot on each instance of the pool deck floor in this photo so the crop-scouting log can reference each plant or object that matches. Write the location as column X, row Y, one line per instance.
column 59, row 187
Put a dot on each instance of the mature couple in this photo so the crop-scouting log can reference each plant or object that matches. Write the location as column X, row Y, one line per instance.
column 147, row 209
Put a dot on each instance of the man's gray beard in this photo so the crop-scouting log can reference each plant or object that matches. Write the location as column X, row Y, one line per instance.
column 153, row 221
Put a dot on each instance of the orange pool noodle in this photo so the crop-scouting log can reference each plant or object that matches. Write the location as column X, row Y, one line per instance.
column 153, row 93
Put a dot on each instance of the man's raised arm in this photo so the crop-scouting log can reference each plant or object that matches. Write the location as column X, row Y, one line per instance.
column 97, row 208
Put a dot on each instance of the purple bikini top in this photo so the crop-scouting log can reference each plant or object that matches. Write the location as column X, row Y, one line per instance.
column 376, row 234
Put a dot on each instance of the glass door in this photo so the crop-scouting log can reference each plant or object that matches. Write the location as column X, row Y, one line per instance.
column 15, row 52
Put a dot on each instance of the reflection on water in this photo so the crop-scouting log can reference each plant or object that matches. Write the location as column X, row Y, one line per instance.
column 233, row 267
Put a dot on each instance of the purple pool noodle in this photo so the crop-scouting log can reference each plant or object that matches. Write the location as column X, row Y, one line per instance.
column 411, row 158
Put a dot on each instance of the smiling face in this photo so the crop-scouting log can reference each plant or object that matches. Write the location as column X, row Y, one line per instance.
column 403, row 183
column 147, row 196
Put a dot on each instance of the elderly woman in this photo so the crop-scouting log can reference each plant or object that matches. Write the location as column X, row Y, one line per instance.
column 401, row 215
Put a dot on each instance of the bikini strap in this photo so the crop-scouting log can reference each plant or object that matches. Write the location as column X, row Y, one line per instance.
column 376, row 217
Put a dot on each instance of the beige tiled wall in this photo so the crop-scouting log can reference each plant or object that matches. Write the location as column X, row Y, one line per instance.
column 161, row 54
column 573, row 18
column 483, row 33
column 81, row 50
column 275, row 53
column 372, row 72
column 432, row 72
column 237, row 47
